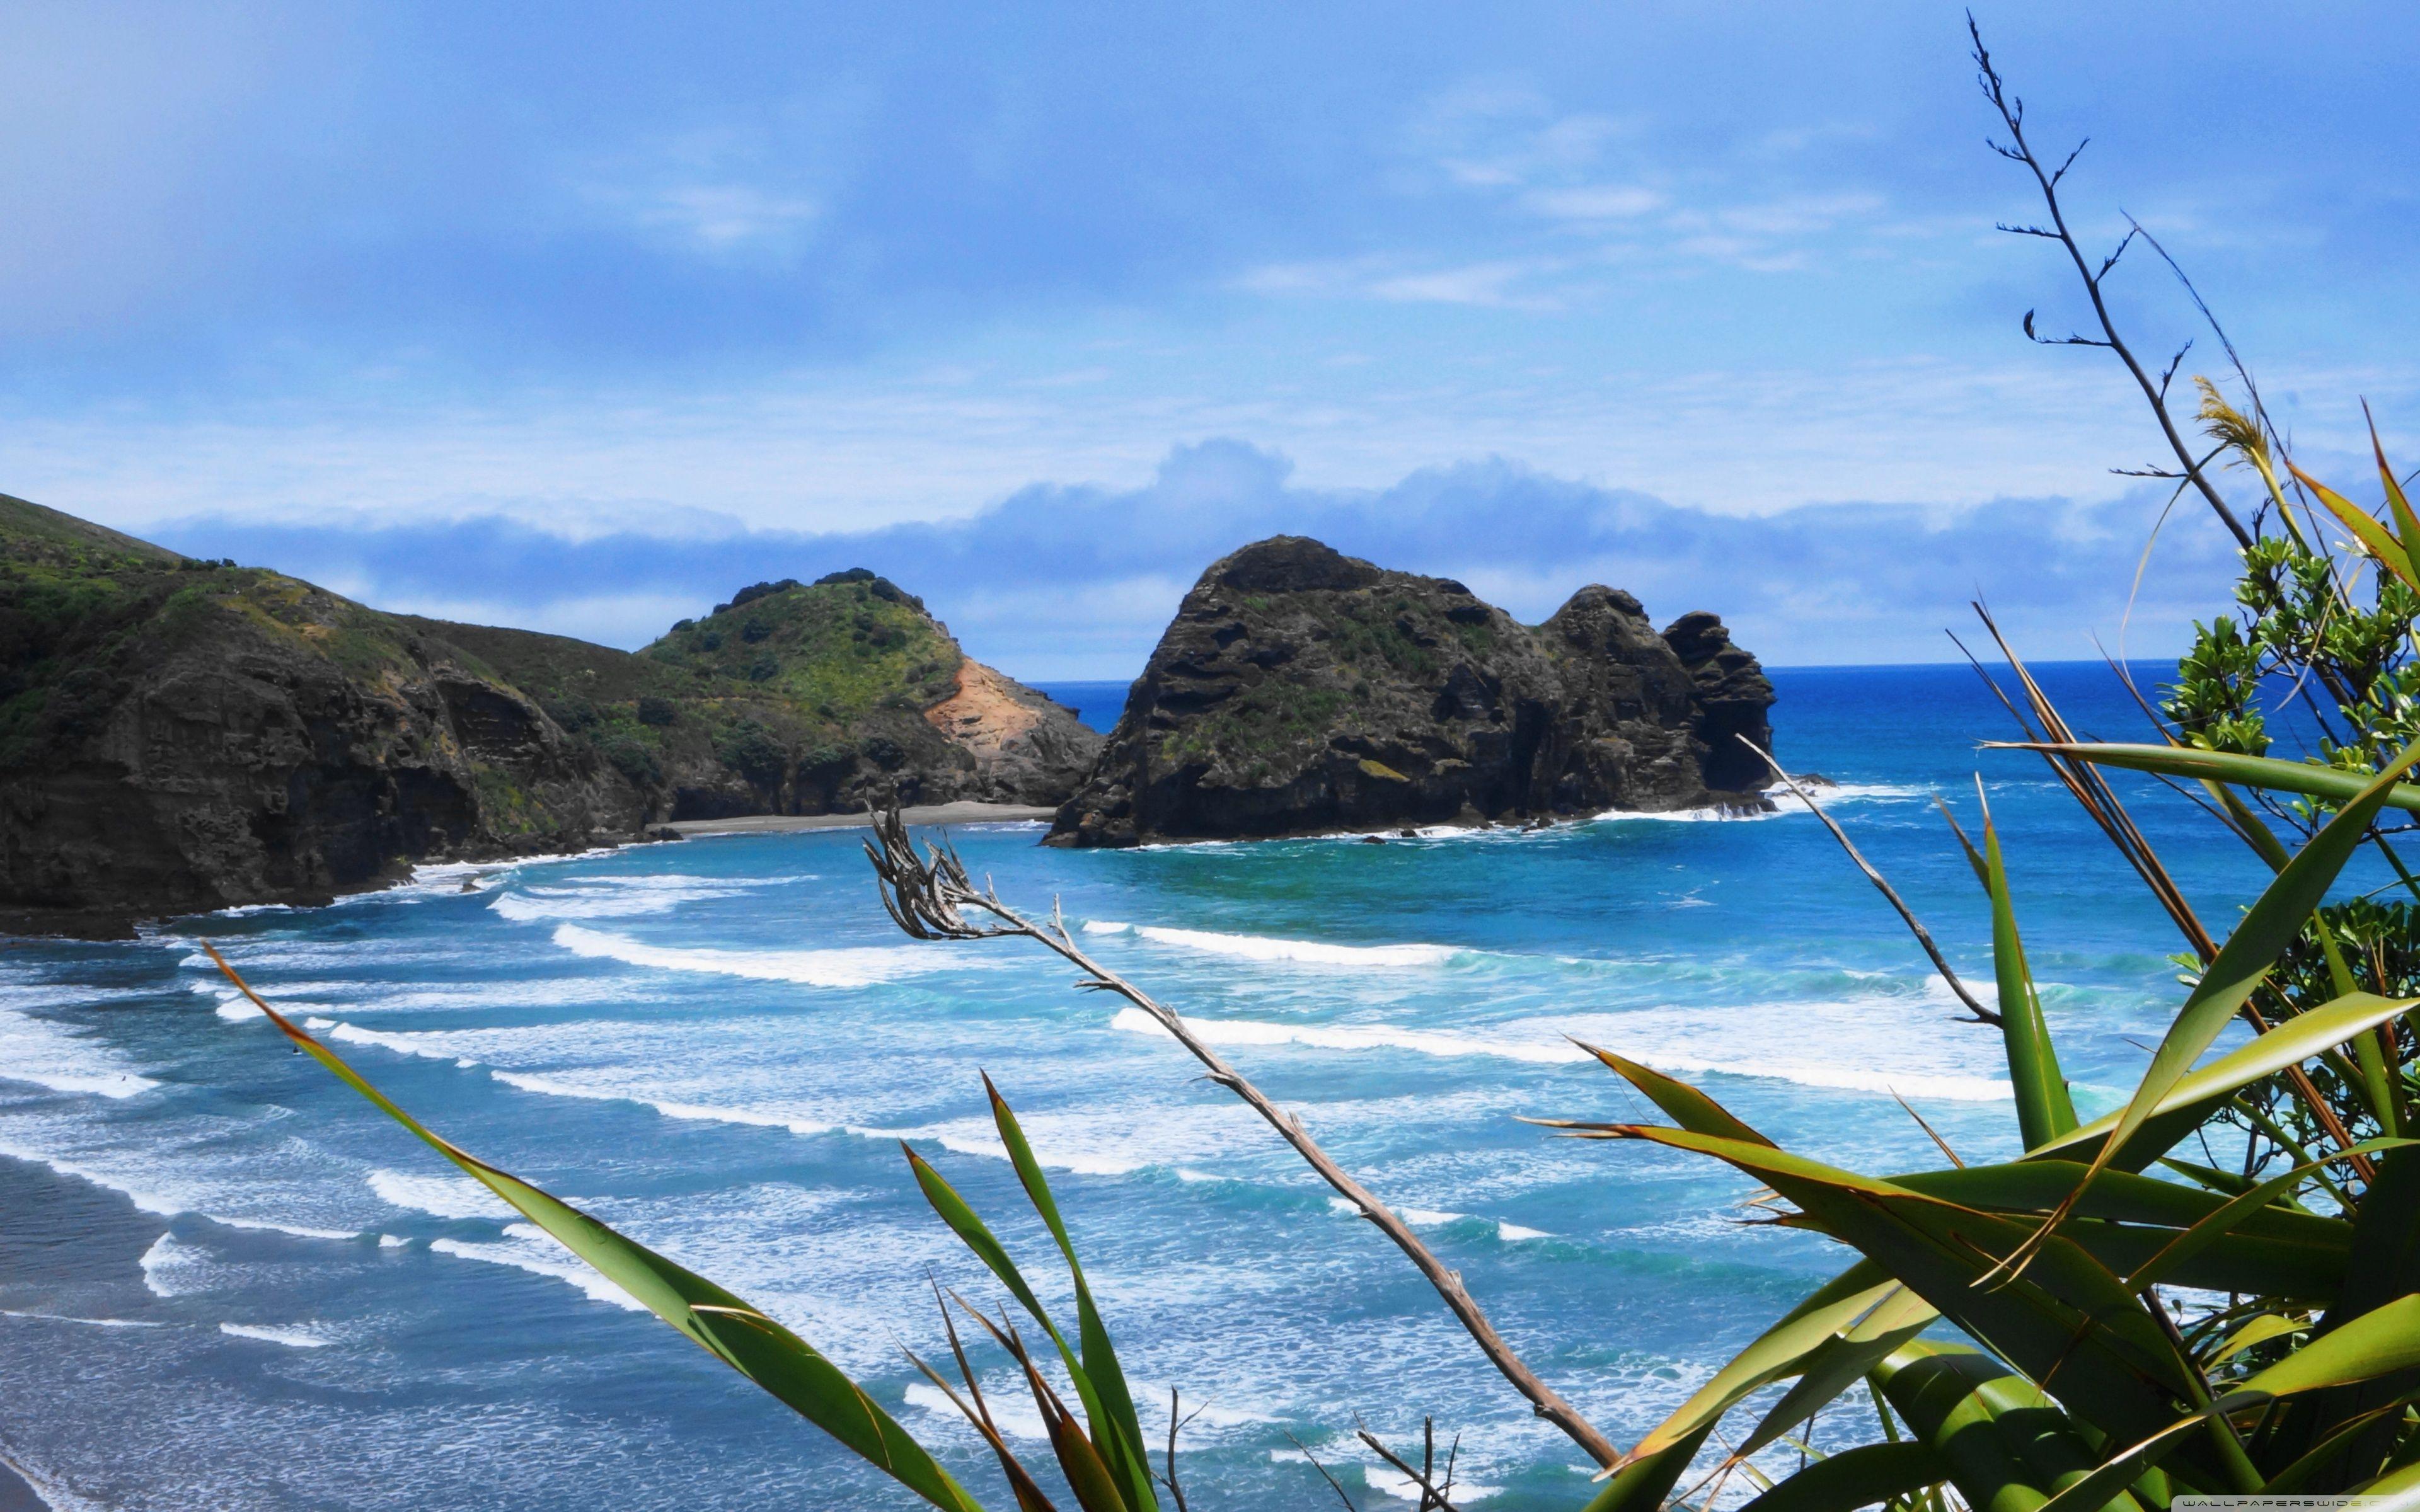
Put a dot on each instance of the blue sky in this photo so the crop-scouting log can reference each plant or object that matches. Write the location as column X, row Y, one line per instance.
column 577, row 318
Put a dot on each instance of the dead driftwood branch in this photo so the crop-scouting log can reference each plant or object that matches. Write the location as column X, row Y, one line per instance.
column 931, row 898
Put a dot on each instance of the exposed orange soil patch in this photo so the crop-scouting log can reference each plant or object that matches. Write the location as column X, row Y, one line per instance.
column 982, row 716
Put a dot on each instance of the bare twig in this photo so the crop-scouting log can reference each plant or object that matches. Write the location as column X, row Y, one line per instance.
column 1323, row 1473
column 2017, row 150
column 1174, row 1423
column 931, row 897
column 1907, row 915
column 1432, row 1495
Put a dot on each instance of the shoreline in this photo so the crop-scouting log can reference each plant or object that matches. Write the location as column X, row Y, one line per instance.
column 930, row 813
column 103, row 923
column 26, row 924
column 17, row 1493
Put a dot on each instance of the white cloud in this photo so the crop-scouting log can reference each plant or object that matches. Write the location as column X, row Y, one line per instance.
column 1595, row 202
column 1483, row 284
column 1074, row 580
column 716, row 193
column 723, row 217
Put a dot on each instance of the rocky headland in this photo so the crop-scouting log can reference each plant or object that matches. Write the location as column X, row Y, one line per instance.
column 178, row 734
column 1302, row 691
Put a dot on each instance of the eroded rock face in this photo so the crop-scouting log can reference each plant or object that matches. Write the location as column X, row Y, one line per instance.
column 1733, row 697
column 1301, row 691
column 1025, row 748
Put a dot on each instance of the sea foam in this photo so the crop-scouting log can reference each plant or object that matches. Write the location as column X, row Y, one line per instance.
column 442, row 1197
column 88, row 1323
column 64, row 1059
column 753, row 1118
column 613, row 898
column 843, row 966
column 293, row 1338
column 1263, row 947
column 1541, row 1051
column 1355, row 1037
column 528, row 1247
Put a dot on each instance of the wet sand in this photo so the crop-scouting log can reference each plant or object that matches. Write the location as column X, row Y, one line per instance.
column 16, row 1495
column 936, row 814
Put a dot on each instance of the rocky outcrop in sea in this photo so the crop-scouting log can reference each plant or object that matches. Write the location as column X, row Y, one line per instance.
column 1302, row 691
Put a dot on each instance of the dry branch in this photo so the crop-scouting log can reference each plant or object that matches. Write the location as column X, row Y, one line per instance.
column 931, row 898
column 1907, row 915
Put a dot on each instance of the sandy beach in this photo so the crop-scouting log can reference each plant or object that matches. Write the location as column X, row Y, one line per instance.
column 935, row 813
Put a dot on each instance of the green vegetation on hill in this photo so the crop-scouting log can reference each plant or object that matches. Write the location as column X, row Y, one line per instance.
column 838, row 648
column 783, row 688
column 182, row 734
column 84, row 609
column 177, row 733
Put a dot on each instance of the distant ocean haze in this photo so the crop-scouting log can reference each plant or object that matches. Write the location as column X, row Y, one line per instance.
column 214, row 1251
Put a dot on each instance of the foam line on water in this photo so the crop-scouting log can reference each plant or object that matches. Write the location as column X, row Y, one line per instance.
column 442, row 1196
column 1009, row 1410
column 841, row 966
column 1353, row 1037
column 1107, row 1141
column 423, row 1044
column 293, row 1338
column 1432, row 1217
column 88, row 1323
column 528, row 1247
column 1053, row 1154
column 1265, row 948
column 62, row 1059
column 167, row 1259
column 1389, row 1482
column 612, row 898
column 1516, row 831
column 162, row 1205
column 1784, row 803
column 753, row 1118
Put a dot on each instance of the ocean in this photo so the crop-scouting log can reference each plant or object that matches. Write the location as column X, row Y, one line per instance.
column 226, row 1282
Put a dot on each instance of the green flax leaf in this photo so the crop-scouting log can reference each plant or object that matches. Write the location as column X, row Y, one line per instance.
column 722, row 1324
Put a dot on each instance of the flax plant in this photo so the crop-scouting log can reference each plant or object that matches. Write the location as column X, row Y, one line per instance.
column 2105, row 1323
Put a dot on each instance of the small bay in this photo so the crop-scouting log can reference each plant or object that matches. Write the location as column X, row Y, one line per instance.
column 225, row 1281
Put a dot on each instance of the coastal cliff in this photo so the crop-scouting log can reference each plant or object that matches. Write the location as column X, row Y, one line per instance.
column 1300, row 691
column 179, row 734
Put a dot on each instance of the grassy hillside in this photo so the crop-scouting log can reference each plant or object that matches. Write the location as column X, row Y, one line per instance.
column 782, row 689
column 837, row 649
column 86, row 611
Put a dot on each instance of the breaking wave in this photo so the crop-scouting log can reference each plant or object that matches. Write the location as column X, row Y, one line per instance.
column 442, row 1196
column 1263, row 947
column 64, row 1059
column 1831, row 1076
column 844, row 967
column 527, row 1247
column 293, row 1338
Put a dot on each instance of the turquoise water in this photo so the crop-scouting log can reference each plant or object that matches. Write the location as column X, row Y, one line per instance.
column 225, row 1281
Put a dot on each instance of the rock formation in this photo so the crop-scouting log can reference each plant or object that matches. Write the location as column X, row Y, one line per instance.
column 1300, row 691
column 801, row 698
column 178, row 734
